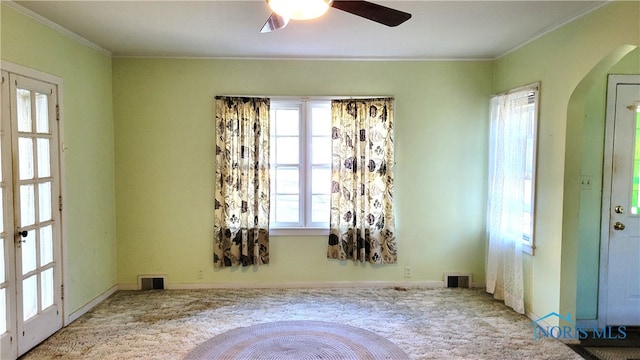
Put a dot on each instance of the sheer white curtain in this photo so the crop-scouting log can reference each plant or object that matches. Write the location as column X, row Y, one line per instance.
column 507, row 163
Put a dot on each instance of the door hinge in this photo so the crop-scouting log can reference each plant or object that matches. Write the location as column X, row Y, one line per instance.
column 60, row 203
column 57, row 112
column 62, row 291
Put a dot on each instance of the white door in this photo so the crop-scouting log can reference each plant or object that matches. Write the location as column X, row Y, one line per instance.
column 8, row 345
column 31, row 221
column 623, row 275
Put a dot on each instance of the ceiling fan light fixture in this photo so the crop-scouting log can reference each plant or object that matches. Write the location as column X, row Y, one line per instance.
column 300, row 9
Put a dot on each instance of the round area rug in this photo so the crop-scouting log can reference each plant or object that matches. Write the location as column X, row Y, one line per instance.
column 298, row 340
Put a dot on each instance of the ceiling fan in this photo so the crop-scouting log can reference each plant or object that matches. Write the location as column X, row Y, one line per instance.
column 286, row 10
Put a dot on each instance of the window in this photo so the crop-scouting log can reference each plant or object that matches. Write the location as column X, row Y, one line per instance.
column 300, row 154
column 514, row 119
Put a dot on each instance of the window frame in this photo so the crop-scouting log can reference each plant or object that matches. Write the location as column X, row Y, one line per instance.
column 305, row 226
column 528, row 240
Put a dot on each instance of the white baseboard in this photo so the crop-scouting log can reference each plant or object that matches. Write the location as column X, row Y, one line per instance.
column 265, row 285
column 588, row 324
column 300, row 285
column 90, row 305
column 297, row 285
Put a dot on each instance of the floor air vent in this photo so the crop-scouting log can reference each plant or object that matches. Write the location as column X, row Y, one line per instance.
column 151, row 282
column 457, row 280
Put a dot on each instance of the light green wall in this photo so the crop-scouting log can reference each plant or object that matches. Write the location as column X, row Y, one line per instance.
column 563, row 61
column 164, row 126
column 591, row 198
column 89, row 215
column 162, row 114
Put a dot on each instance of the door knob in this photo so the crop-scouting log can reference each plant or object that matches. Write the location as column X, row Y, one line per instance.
column 619, row 209
column 22, row 234
column 618, row 226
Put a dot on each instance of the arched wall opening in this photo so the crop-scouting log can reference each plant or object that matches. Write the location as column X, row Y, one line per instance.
column 583, row 185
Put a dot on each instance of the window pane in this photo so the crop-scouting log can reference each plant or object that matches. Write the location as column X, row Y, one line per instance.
column 287, row 208
column 25, row 151
column 321, row 150
column 46, row 245
column 30, row 297
column 287, row 150
column 321, row 121
column 46, row 288
column 44, row 196
column 320, row 180
column 320, row 209
column 29, row 252
column 287, row 122
column 287, row 181
column 44, row 158
column 24, row 110
column 42, row 113
column 27, row 205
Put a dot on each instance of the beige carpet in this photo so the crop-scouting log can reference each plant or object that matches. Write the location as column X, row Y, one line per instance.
column 424, row 323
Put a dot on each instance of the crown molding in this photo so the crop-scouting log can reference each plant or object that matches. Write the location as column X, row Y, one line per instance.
column 64, row 31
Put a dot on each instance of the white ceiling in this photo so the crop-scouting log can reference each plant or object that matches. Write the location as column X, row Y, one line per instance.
column 230, row 29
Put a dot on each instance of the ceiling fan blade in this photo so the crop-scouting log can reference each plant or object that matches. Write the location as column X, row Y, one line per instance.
column 378, row 13
column 274, row 22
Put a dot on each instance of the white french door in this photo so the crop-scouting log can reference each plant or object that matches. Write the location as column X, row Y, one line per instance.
column 30, row 243
column 621, row 219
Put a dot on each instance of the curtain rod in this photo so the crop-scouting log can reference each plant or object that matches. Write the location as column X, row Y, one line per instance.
column 310, row 98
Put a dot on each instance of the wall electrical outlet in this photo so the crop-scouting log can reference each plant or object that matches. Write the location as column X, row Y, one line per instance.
column 200, row 274
column 408, row 271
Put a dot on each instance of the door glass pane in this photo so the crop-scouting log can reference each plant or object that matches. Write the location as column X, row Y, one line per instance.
column 46, row 245
column 287, row 150
column 635, row 194
column 2, row 261
column 320, row 209
column 42, row 113
column 27, row 205
column 287, row 122
column 44, row 195
column 3, row 311
column 46, row 285
column 1, row 210
column 30, row 297
column 287, row 208
column 44, row 158
column 24, row 110
column 25, row 151
column 29, row 252
column 287, row 181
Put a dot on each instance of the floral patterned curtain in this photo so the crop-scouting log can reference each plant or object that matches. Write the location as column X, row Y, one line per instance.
column 362, row 223
column 241, row 229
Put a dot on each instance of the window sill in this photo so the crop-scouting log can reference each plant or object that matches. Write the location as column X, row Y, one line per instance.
column 298, row 231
